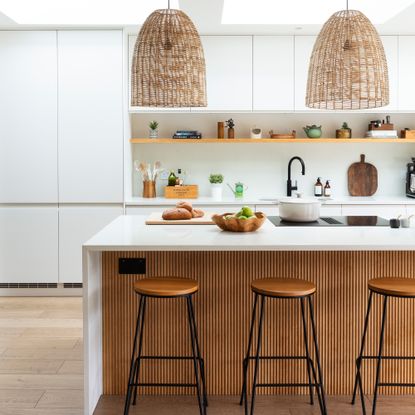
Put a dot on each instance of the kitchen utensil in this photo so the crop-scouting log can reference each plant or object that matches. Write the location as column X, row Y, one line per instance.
column 149, row 188
column 239, row 190
column 362, row 178
column 156, row 218
column 313, row 131
column 395, row 223
column 410, row 179
column 239, row 225
column 299, row 209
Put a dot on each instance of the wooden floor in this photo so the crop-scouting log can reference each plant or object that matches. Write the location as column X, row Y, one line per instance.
column 41, row 371
column 41, row 356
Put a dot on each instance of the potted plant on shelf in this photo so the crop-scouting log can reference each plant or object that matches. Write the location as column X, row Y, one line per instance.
column 153, row 125
column 344, row 132
column 216, row 181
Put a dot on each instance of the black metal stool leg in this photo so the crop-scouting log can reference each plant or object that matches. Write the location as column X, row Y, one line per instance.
column 320, row 376
column 133, row 362
column 258, row 350
column 379, row 357
column 199, row 356
column 195, row 360
column 307, row 351
column 140, row 348
column 248, row 352
column 358, row 379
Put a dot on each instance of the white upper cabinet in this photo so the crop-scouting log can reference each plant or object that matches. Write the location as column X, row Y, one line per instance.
column 303, row 49
column 90, row 122
column 28, row 117
column 390, row 44
column 406, row 73
column 273, row 73
column 28, row 244
column 228, row 73
column 76, row 226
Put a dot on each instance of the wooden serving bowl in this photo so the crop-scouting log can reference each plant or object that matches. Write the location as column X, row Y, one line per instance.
column 239, row 225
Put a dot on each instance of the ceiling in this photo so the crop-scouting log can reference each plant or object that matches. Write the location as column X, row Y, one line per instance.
column 299, row 17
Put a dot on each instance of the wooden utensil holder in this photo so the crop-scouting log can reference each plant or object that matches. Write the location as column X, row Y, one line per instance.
column 149, row 188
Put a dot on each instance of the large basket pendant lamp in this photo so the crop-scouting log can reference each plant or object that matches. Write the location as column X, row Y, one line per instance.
column 168, row 68
column 348, row 68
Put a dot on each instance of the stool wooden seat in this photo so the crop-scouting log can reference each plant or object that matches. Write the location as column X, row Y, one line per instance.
column 166, row 287
column 283, row 287
column 397, row 287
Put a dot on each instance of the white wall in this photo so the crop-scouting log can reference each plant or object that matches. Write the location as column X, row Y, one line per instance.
column 263, row 167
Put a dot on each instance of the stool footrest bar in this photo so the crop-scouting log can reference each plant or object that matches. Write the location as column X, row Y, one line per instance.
column 168, row 357
column 406, row 385
column 278, row 357
column 390, row 357
column 178, row 385
column 287, row 385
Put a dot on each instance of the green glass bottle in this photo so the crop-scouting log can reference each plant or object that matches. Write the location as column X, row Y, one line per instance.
column 172, row 179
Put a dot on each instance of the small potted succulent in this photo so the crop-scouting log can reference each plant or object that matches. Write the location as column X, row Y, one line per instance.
column 153, row 125
column 344, row 132
column 231, row 128
column 216, row 181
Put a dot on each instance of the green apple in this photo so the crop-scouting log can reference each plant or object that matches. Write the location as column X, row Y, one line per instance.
column 247, row 211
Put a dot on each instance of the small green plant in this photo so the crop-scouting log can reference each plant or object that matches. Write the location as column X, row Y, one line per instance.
column 345, row 126
column 216, row 178
column 153, row 125
column 230, row 123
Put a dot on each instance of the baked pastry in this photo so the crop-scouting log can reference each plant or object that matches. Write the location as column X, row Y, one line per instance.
column 198, row 213
column 176, row 214
column 184, row 205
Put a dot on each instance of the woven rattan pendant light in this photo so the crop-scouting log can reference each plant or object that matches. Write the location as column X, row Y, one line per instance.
column 168, row 68
column 348, row 68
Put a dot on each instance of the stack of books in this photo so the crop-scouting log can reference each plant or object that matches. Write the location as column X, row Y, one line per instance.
column 382, row 134
column 187, row 134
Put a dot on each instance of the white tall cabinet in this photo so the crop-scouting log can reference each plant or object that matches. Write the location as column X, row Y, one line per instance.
column 90, row 117
column 28, row 117
column 61, row 148
column 406, row 73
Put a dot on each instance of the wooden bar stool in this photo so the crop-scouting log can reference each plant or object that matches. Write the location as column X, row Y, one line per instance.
column 386, row 287
column 161, row 288
column 287, row 288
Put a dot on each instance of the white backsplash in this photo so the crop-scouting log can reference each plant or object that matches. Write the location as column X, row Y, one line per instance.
column 263, row 167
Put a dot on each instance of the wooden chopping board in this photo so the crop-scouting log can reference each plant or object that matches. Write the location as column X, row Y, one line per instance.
column 155, row 218
column 362, row 178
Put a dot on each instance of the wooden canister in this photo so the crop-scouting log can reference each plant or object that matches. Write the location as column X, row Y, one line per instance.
column 149, row 188
column 231, row 133
column 221, row 129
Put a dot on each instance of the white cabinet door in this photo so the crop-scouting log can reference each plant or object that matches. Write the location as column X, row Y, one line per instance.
column 390, row 44
column 28, row 244
column 228, row 73
column 273, row 63
column 28, row 117
column 90, row 116
column 384, row 211
column 303, row 49
column 406, row 73
column 76, row 226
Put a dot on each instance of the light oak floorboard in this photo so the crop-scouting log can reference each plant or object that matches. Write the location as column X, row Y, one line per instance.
column 20, row 398
column 30, row 366
column 62, row 399
column 74, row 367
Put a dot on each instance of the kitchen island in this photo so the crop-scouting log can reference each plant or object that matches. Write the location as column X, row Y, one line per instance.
column 339, row 260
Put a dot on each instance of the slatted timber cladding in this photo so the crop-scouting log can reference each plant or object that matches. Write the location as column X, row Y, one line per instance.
column 223, row 309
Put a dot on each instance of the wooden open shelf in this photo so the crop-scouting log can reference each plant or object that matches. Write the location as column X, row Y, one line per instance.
column 268, row 140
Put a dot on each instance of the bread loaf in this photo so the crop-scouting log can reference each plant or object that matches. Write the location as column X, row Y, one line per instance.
column 176, row 214
column 184, row 205
column 198, row 213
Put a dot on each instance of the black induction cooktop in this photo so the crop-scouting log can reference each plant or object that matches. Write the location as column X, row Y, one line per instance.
column 335, row 221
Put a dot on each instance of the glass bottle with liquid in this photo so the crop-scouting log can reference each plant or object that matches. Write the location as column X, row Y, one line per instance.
column 327, row 189
column 318, row 188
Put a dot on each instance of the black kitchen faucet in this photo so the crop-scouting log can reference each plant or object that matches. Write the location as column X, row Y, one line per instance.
column 290, row 187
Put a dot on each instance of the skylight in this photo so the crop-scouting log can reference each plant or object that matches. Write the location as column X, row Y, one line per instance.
column 305, row 12
column 81, row 12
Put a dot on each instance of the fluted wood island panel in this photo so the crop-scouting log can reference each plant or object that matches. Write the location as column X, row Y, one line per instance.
column 223, row 309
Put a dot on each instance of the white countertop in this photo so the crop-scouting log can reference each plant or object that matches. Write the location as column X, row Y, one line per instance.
column 336, row 200
column 130, row 233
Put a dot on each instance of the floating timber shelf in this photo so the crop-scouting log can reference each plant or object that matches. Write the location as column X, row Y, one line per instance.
column 268, row 140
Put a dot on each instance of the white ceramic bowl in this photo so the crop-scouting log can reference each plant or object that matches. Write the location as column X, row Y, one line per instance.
column 297, row 209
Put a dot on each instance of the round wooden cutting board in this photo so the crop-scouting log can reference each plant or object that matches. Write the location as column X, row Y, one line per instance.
column 362, row 178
